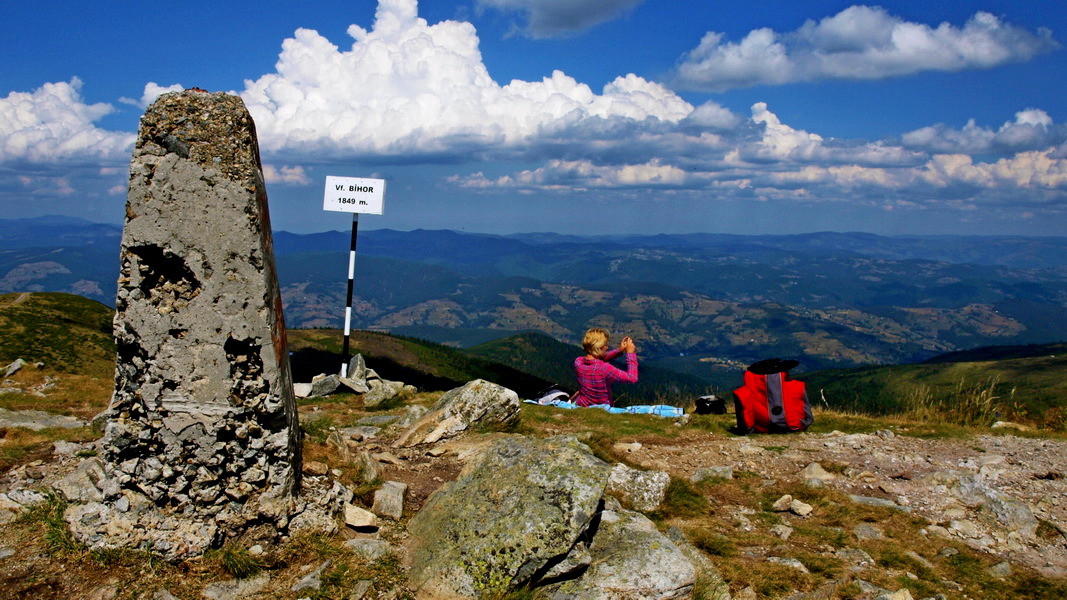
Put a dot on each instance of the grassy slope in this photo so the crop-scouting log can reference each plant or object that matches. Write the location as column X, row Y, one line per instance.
column 71, row 337
column 1022, row 383
column 426, row 365
column 68, row 333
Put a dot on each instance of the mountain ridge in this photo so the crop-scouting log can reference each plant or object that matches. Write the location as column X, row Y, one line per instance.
column 696, row 300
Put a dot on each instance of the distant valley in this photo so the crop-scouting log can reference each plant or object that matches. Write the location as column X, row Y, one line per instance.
column 697, row 304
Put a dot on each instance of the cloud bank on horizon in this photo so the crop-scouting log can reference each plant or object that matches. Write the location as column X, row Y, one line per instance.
column 408, row 92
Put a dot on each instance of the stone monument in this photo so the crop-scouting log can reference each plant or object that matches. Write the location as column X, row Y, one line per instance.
column 202, row 432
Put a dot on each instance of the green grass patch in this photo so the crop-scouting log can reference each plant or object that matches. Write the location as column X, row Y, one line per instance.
column 68, row 333
column 317, row 430
column 680, row 500
column 48, row 515
column 713, row 543
column 236, row 561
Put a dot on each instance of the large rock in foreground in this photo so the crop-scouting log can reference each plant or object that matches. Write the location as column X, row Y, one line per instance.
column 520, row 507
column 630, row 560
column 532, row 513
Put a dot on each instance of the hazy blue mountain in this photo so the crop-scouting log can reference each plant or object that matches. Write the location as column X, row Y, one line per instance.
column 700, row 303
column 38, row 232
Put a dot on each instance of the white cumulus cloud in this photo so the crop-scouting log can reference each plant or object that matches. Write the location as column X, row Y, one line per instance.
column 408, row 88
column 761, row 158
column 1032, row 129
column 550, row 18
column 860, row 42
column 1026, row 170
column 53, row 124
column 152, row 90
column 285, row 174
column 564, row 175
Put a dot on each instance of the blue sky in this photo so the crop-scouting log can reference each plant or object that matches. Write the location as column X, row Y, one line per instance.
column 573, row 116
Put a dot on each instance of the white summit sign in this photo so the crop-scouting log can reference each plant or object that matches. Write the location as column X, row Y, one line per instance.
column 354, row 195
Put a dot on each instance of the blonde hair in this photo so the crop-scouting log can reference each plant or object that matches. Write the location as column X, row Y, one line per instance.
column 595, row 341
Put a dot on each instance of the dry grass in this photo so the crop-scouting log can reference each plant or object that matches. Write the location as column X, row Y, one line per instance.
column 970, row 405
column 76, row 395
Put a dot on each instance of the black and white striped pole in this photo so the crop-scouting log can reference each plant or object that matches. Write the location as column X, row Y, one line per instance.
column 348, row 302
column 352, row 195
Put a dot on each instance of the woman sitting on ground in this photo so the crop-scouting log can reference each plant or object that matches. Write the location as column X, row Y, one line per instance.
column 596, row 374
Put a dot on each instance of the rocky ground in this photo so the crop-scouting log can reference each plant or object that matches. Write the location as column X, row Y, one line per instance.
column 1000, row 494
column 919, row 475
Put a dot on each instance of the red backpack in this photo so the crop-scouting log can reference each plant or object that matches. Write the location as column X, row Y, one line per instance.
column 770, row 402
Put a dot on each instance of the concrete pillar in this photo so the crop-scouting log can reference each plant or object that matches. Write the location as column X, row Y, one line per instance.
column 203, row 414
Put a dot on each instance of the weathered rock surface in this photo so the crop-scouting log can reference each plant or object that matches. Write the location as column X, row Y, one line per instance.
column 14, row 367
column 643, row 490
column 478, row 402
column 389, row 500
column 203, row 413
column 974, row 491
column 631, row 560
column 37, row 419
column 950, row 483
column 533, row 513
column 521, row 506
column 706, row 573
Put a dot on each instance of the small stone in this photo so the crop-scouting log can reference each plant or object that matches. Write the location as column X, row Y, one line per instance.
column 938, row 531
column 230, row 590
column 720, row 472
column 966, row 529
column 800, row 508
column 386, row 458
column 1000, row 570
column 369, row 549
column 313, row 580
column 315, row 468
column 389, row 500
column 816, row 472
column 359, row 591
column 872, row 501
column 748, row 593
column 782, row 531
column 867, row 532
column 359, row 518
column 901, row 594
column 782, row 504
column 14, row 367
column 855, row 556
column 789, row 562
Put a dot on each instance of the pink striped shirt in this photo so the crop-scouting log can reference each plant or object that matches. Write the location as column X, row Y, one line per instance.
column 595, row 376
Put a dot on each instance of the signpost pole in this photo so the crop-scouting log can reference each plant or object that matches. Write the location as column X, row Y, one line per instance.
column 348, row 303
column 352, row 195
